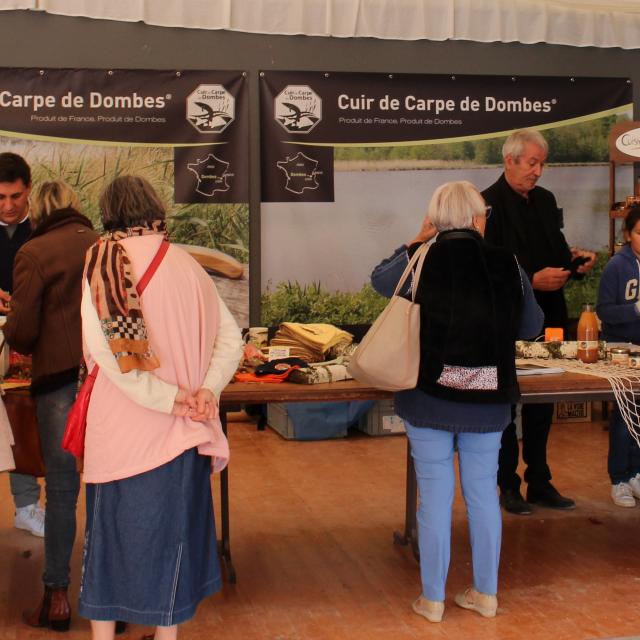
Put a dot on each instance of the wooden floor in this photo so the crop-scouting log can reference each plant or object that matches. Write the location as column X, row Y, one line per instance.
column 312, row 543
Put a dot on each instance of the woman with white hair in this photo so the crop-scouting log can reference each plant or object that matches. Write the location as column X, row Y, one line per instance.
column 474, row 302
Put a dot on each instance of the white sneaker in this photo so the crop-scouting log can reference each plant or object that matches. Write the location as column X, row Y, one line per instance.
column 31, row 519
column 634, row 483
column 622, row 495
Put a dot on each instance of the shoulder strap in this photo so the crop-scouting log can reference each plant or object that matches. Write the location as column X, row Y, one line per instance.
column 417, row 257
column 151, row 269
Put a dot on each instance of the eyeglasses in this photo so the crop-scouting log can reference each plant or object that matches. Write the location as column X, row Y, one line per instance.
column 487, row 211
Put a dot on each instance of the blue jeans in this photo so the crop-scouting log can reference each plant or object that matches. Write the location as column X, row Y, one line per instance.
column 624, row 452
column 62, row 484
column 432, row 452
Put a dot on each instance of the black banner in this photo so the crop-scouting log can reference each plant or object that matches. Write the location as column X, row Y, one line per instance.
column 300, row 110
column 203, row 114
column 184, row 131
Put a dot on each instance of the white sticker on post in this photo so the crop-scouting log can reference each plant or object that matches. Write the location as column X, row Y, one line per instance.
column 392, row 424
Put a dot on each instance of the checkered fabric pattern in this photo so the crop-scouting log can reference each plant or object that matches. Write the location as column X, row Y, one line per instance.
column 124, row 328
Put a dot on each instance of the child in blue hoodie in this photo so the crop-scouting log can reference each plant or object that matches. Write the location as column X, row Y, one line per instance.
column 619, row 310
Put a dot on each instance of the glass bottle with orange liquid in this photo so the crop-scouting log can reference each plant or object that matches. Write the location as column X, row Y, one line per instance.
column 588, row 334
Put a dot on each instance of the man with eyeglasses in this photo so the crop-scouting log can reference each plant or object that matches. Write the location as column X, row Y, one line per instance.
column 526, row 220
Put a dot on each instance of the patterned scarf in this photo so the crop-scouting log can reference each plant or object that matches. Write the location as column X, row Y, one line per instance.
column 113, row 293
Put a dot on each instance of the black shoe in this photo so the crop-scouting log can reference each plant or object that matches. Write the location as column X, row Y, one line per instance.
column 548, row 496
column 121, row 627
column 513, row 502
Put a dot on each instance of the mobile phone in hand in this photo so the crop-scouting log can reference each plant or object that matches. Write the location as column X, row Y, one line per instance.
column 577, row 262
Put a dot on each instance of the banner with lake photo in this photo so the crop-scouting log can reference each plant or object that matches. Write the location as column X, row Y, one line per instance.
column 349, row 162
column 185, row 131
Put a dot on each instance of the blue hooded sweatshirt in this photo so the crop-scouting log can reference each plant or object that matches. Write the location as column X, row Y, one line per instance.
column 619, row 298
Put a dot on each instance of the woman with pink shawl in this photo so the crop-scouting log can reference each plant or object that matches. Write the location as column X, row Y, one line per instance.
column 153, row 431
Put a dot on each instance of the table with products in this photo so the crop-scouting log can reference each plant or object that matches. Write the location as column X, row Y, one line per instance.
column 535, row 389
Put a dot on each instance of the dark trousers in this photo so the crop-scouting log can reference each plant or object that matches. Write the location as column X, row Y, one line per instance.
column 536, row 422
column 624, row 453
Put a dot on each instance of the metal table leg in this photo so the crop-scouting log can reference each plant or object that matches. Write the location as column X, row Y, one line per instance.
column 224, row 544
column 410, row 535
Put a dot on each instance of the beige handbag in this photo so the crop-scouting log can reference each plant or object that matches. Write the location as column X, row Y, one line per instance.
column 389, row 355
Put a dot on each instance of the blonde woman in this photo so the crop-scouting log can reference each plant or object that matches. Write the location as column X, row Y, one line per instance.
column 45, row 321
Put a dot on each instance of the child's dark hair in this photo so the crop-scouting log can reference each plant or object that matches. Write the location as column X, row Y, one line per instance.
column 632, row 218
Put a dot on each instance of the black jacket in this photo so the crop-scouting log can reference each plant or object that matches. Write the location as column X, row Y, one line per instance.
column 506, row 228
column 8, row 249
column 470, row 296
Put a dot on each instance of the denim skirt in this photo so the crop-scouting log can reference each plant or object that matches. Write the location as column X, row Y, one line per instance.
column 150, row 545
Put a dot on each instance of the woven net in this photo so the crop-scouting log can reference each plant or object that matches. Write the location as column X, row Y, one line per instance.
column 624, row 381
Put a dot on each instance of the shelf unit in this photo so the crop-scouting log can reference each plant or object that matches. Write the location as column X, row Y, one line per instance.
column 617, row 210
column 624, row 149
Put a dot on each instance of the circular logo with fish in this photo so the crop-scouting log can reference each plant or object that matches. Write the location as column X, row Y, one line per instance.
column 210, row 108
column 298, row 108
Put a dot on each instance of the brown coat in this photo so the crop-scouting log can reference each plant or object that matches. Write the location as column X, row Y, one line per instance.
column 47, row 289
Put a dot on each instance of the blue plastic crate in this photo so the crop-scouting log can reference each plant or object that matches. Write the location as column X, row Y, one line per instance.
column 316, row 420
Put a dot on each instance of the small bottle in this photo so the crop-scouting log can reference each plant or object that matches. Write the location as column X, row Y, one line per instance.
column 588, row 334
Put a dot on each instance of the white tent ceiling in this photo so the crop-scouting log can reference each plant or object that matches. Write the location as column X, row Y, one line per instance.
column 571, row 22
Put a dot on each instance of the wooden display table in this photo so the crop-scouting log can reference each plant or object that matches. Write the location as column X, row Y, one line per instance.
column 534, row 389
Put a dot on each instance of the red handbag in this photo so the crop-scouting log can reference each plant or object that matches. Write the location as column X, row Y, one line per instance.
column 73, row 439
column 76, row 425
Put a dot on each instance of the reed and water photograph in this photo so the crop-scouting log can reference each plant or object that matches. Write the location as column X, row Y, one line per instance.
column 381, row 197
column 217, row 235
